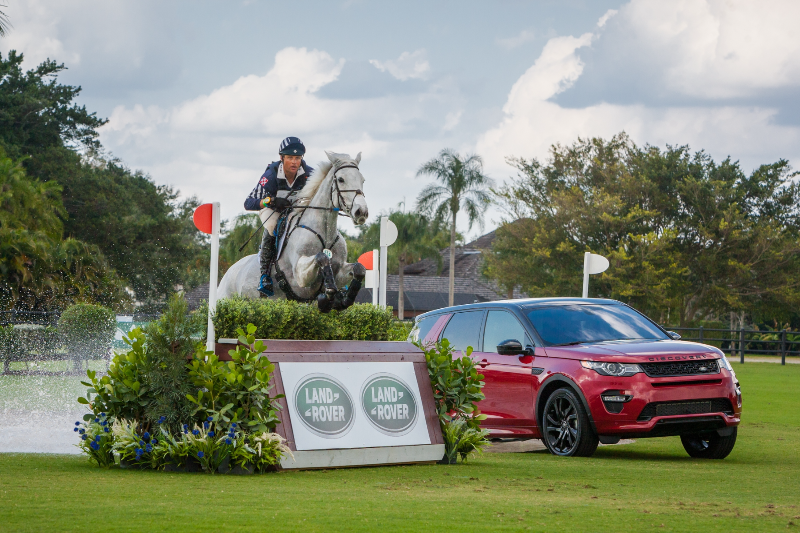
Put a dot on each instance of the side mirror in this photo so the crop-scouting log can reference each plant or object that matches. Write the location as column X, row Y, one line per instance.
column 510, row 347
column 674, row 336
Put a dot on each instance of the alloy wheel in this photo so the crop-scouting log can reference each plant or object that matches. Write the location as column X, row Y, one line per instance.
column 562, row 425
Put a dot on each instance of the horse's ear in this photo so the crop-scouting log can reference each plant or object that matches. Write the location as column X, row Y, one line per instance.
column 331, row 157
column 358, row 158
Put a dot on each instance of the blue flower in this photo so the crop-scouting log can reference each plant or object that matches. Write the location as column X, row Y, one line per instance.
column 210, row 418
column 228, row 441
column 83, row 437
column 97, row 438
column 141, row 443
column 196, row 432
column 75, row 430
column 200, row 454
column 95, row 446
column 210, row 433
column 104, row 423
column 77, row 423
column 139, row 451
column 233, row 424
column 205, row 425
column 102, row 414
column 154, row 442
column 81, row 431
column 162, row 419
column 148, row 448
column 105, row 429
column 146, row 435
column 97, row 420
column 186, row 426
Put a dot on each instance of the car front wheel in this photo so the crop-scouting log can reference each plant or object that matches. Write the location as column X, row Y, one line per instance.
column 567, row 430
column 709, row 445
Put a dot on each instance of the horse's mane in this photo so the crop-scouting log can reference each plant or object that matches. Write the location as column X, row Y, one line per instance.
column 318, row 176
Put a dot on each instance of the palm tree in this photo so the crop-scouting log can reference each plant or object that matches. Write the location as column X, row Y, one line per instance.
column 462, row 184
column 4, row 23
column 417, row 237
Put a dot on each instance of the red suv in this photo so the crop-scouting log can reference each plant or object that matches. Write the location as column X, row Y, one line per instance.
column 578, row 371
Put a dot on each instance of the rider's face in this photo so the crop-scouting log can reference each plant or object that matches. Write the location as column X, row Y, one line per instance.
column 291, row 163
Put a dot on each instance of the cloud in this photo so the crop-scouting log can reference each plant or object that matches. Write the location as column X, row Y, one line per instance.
column 705, row 49
column 533, row 119
column 216, row 145
column 410, row 65
column 607, row 15
column 523, row 37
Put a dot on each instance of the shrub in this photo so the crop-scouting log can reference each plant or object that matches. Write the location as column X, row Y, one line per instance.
column 27, row 342
column 235, row 391
column 286, row 319
column 456, row 386
column 87, row 330
column 96, row 440
column 170, row 342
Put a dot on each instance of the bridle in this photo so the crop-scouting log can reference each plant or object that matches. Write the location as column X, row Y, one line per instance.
column 339, row 198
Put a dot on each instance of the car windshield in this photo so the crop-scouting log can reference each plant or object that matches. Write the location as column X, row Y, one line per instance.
column 563, row 325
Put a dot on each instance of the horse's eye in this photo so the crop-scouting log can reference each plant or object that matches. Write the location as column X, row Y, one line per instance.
column 341, row 180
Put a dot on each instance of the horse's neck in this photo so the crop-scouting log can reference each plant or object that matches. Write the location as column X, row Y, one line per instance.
column 322, row 220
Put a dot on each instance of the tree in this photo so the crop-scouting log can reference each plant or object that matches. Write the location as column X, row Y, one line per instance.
column 684, row 235
column 462, row 184
column 4, row 24
column 147, row 235
column 418, row 237
column 39, row 270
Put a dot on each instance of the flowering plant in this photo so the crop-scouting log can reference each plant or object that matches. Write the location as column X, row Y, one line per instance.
column 96, row 440
column 269, row 449
column 208, row 447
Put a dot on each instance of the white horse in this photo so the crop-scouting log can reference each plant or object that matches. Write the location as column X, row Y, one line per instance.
column 311, row 264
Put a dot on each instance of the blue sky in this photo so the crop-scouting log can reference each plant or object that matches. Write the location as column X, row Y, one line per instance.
column 199, row 94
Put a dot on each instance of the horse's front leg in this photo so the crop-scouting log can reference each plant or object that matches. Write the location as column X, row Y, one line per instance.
column 350, row 275
column 308, row 269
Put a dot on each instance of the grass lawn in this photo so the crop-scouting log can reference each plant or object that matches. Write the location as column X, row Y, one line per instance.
column 635, row 487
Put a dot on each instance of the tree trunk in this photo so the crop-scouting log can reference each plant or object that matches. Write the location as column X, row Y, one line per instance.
column 451, row 290
column 400, row 298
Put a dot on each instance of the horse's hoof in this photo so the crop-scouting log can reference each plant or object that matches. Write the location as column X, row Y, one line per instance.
column 323, row 303
column 359, row 271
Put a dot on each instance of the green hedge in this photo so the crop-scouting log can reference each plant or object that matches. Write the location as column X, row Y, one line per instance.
column 26, row 342
column 88, row 330
column 286, row 319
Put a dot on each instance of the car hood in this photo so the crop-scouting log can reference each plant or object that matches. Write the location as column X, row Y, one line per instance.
column 636, row 352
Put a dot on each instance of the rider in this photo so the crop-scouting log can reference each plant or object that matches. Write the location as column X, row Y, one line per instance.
column 269, row 196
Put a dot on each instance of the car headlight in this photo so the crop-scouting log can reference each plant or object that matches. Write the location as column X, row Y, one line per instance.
column 612, row 369
column 724, row 363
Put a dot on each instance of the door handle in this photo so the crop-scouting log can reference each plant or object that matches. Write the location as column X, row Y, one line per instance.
column 483, row 363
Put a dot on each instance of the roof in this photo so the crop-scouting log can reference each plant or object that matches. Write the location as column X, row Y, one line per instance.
column 196, row 296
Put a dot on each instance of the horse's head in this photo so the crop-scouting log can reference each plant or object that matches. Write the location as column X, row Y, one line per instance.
column 347, row 187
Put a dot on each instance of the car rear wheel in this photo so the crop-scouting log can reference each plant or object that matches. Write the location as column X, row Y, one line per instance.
column 567, row 430
column 709, row 445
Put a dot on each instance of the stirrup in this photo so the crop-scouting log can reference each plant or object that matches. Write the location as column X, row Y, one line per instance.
column 265, row 286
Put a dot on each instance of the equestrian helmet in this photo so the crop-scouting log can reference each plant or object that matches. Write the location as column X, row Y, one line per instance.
column 292, row 146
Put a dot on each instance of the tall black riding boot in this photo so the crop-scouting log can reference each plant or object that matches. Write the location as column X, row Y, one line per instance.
column 265, row 286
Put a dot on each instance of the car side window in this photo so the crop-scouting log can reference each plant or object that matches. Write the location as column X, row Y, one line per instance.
column 463, row 330
column 500, row 326
column 422, row 328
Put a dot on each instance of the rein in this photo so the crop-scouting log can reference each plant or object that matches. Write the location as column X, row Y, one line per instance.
column 283, row 283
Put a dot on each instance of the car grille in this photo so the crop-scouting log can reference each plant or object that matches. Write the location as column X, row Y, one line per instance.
column 691, row 407
column 681, row 368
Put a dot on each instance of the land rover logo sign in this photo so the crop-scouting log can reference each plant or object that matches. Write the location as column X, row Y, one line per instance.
column 389, row 404
column 324, row 406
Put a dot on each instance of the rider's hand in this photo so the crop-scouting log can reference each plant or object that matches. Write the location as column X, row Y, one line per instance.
column 279, row 204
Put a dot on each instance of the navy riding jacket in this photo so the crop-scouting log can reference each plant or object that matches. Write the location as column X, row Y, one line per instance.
column 269, row 184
